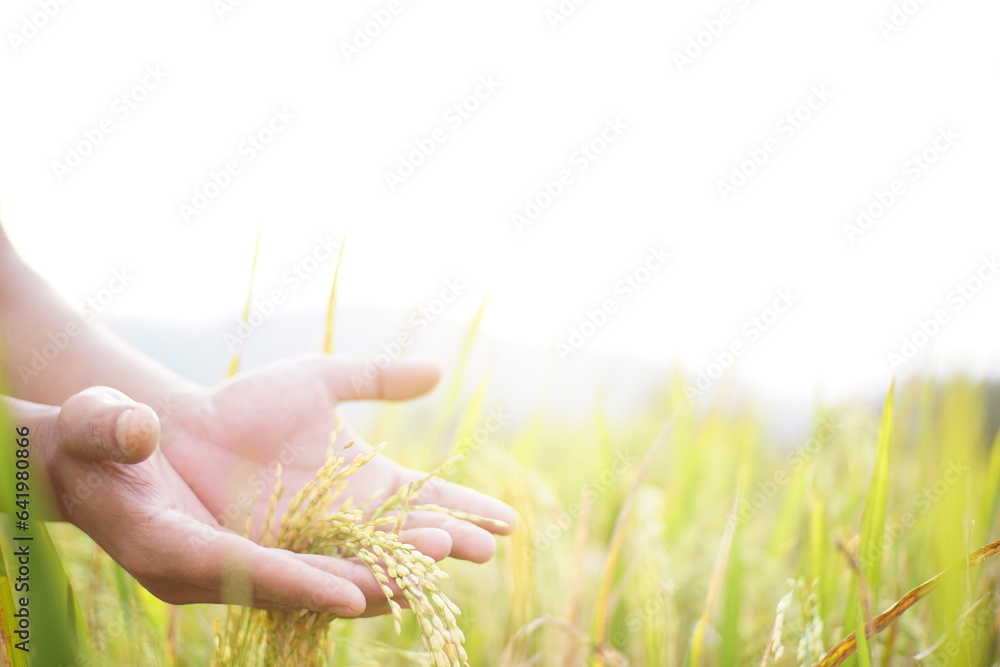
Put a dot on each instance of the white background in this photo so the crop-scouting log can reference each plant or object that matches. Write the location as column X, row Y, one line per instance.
column 687, row 128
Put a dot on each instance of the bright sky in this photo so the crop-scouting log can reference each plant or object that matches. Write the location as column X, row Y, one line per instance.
column 743, row 159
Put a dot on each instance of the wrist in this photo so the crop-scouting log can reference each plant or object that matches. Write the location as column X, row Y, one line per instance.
column 34, row 429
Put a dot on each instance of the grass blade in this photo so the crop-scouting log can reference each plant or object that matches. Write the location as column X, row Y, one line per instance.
column 873, row 528
column 453, row 391
column 234, row 363
column 991, row 498
column 332, row 302
column 715, row 583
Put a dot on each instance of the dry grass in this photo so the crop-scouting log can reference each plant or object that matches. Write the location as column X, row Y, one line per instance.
column 849, row 645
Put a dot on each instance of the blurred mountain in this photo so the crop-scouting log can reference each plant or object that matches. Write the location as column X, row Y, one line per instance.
column 524, row 380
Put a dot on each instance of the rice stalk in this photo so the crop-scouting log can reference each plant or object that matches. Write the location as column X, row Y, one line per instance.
column 617, row 539
column 577, row 576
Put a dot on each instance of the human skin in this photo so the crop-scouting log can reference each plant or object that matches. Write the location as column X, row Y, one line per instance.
column 156, row 468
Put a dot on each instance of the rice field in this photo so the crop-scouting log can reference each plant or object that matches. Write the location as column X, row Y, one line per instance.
column 682, row 535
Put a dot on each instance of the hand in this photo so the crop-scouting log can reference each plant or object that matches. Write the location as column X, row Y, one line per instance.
column 224, row 442
column 108, row 476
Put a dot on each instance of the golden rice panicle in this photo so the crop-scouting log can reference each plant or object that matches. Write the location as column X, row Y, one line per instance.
column 417, row 576
column 775, row 648
column 312, row 525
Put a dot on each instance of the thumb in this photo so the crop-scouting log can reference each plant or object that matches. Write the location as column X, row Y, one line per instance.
column 103, row 424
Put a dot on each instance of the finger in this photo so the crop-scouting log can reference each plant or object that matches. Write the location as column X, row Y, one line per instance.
column 232, row 569
column 468, row 542
column 103, row 424
column 461, row 498
column 356, row 572
column 432, row 542
column 401, row 379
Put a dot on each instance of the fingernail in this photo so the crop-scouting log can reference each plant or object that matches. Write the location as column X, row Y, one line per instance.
column 122, row 428
column 347, row 612
column 337, row 607
column 340, row 608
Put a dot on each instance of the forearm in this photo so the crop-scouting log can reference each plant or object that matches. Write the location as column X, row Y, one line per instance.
column 52, row 352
